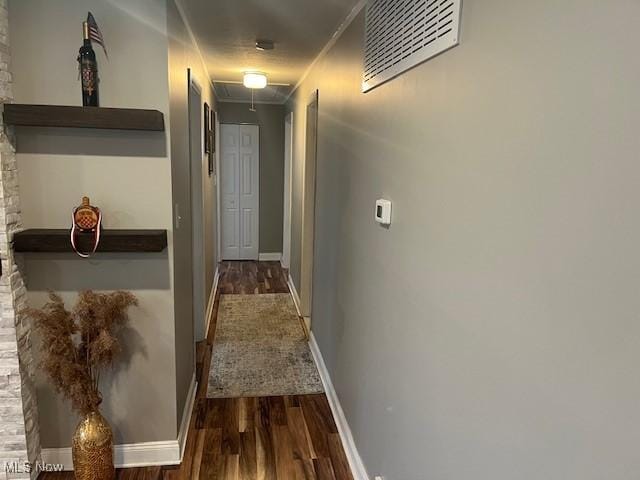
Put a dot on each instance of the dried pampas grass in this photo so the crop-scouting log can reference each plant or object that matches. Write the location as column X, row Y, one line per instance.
column 77, row 345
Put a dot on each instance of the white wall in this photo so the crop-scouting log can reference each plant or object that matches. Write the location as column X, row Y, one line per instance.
column 492, row 331
column 127, row 174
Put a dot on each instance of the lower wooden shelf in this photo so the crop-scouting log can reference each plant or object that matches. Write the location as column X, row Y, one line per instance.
column 57, row 240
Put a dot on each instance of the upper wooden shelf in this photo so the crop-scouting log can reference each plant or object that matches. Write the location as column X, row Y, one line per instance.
column 83, row 117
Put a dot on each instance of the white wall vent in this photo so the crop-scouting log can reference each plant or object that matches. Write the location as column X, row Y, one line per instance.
column 400, row 34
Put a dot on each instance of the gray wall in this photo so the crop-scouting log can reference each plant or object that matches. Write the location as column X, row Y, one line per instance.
column 183, row 55
column 492, row 331
column 270, row 118
column 127, row 174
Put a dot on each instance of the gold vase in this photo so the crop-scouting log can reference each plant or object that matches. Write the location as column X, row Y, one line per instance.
column 92, row 449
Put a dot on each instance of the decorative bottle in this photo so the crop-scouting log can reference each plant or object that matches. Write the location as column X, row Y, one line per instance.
column 88, row 70
column 86, row 216
column 87, row 220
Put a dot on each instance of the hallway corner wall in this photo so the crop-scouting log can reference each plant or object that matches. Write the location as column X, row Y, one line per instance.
column 183, row 55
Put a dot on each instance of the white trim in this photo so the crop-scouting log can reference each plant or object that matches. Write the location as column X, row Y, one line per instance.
column 309, row 189
column 195, row 105
column 217, row 221
column 212, row 299
column 270, row 257
column 124, row 456
column 296, row 301
column 307, row 323
column 353, row 457
column 294, row 294
column 288, row 189
column 192, row 36
column 186, row 415
column 334, row 38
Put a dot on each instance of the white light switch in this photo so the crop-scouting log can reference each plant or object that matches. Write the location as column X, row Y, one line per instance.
column 383, row 211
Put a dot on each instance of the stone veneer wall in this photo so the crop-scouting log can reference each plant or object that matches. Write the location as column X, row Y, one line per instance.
column 19, row 437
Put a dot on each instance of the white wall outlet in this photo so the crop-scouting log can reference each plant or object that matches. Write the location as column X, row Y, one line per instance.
column 383, row 211
column 378, row 477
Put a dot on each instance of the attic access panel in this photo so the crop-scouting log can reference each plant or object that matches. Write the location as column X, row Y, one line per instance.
column 400, row 34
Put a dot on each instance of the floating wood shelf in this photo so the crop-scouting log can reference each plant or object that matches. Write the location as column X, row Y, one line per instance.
column 83, row 117
column 57, row 240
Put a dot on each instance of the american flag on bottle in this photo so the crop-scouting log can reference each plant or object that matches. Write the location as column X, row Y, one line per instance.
column 95, row 35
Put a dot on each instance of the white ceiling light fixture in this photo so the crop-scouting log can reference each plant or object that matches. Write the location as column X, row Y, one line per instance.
column 254, row 80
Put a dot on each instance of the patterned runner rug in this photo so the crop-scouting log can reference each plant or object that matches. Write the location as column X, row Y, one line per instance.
column 260, row 349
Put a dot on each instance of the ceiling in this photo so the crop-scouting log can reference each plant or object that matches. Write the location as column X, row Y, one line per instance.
column 226, row 31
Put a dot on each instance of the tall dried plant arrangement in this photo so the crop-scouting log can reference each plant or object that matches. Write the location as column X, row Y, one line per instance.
column 78, row 345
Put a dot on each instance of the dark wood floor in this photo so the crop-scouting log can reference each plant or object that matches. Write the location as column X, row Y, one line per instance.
column 252, row 277
column 265, row 438
column 146, row 473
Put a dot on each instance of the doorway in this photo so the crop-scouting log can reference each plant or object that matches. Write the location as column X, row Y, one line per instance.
column 239, row 191
column 196, row 159
column 286, row 217
column 308, row 208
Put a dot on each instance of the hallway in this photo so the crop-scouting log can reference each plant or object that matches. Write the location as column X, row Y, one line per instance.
column 346, row 239
column 286, row 437
column 271, row 438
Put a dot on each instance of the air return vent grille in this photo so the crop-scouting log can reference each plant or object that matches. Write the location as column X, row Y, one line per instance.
column 400, row 34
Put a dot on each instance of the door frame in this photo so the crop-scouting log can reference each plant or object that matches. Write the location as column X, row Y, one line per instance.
column 309, row 183
column 288, row 191
column 197, row 211
column 219, row 223
column 216, row 181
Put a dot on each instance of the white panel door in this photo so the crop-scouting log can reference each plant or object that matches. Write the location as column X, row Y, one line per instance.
column 229, row 192
column 249, row 197
column 239, row 181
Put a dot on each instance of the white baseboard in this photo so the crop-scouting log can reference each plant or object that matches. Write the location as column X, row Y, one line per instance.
column 270, row 257
column 212, row 299
column 145, row 454
column 124, row 456
column 186, row 415
column 353, row 457
column 294, row 294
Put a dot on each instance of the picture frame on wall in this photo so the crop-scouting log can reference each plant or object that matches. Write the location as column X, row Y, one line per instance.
column 207, row 129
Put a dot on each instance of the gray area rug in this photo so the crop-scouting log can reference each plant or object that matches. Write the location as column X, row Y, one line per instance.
column 260, row 349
